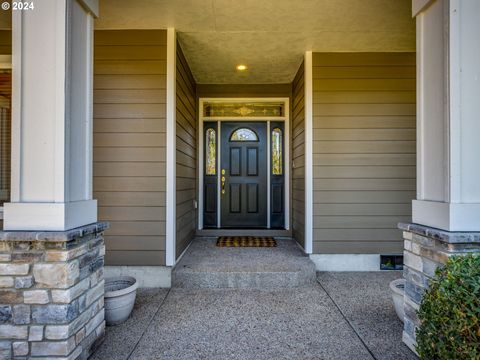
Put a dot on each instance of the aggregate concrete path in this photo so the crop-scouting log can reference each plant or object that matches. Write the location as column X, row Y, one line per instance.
column 321, row 321
column 370, row 311
column 206, row 265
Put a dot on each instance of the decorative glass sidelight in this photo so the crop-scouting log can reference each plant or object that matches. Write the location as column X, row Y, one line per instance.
column 277, row 155
column 244, row 134
column 211, row 153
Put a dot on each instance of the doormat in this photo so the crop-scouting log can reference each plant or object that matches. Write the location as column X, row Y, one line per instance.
column 246, row 241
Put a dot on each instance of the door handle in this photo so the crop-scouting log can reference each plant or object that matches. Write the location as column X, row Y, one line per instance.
column 223, row 181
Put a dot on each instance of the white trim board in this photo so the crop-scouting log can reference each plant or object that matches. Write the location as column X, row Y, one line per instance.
column 49, row 216
column 269, row 176
column 308, row 79
column 346, row 262
column 171, row 205
column 446, row 216
column 147, row 276
column 219, row 120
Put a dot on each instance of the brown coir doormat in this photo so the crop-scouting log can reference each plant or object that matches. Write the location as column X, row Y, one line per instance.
column 246, row 241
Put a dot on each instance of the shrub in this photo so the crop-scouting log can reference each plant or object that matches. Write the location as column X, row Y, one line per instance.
column 450, row 312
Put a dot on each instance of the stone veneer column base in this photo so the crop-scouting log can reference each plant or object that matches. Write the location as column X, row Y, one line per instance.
column 51, row 293
column 425, row 249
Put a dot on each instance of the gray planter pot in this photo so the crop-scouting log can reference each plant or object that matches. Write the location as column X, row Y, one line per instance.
column 397, row 288
column 120, row 294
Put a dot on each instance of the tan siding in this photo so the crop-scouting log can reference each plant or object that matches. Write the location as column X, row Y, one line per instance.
column 186, row 154
column 298, row 157
column 363, row 59
column 129, row 143
column 5, row 42
column 130, row 82
column 131, row 37
column 364, row 150
column 126, row 96
column 357, row 247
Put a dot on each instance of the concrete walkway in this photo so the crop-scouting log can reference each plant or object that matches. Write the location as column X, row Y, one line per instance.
column 208, row 266
column 326, row 320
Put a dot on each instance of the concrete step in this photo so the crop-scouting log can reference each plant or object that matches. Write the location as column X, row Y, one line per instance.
column 206, row 266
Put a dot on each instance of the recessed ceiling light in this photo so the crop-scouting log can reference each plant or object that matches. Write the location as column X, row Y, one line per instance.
column 241, row 67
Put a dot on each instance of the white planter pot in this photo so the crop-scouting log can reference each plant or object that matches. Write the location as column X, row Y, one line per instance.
column 120, row 294
column 397, row 287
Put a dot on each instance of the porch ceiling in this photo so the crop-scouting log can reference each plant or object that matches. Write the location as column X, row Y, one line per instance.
column 270, row 36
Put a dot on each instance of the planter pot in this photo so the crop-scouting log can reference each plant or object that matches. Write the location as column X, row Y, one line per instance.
column 397, row 287
column 120, row 294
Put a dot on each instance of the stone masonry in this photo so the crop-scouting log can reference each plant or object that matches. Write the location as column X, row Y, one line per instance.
column 425, row 249
column 51, row 293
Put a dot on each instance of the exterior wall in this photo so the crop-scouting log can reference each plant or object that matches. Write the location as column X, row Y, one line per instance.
column 364, row 150
column 5, row 42
column 5, row 49
column 129, row 143
column 186, row 153
column 298, row 156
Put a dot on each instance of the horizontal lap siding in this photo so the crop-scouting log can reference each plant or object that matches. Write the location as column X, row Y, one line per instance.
column 186, row 153
column 5, row 42
column 364, row 150
column 298, row 158
column 129, row 143
column 5, row 49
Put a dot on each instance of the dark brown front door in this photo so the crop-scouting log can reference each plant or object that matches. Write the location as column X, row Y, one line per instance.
column 244, row 174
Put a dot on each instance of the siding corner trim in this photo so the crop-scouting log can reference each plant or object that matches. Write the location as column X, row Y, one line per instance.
column 308, row 79
column 171, row 148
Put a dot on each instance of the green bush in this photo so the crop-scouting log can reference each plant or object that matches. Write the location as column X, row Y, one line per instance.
column 450, row 312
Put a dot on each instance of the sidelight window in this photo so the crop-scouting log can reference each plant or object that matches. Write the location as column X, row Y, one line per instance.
column 277, row 156
column 211, row 156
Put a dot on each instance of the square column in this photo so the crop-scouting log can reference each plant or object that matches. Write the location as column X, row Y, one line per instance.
column 52, row 117
column 52, row 248
column 448, row 114
column 446, row 213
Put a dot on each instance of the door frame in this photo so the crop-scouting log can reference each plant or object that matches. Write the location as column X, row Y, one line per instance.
column 201, row 154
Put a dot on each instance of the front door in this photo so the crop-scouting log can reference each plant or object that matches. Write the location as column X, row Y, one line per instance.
column 244, row 174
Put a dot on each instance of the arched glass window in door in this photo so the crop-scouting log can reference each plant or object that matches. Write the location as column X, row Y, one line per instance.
column 211, row 152
column 277, row 155
column 244, row 134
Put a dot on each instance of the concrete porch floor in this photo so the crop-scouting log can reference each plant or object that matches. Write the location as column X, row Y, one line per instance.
column 326, row 320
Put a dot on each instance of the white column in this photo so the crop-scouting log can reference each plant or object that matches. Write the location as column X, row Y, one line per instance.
column 448, row 114
column 52, row 117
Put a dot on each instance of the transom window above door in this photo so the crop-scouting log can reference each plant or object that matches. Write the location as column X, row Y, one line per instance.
column 246, row 109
